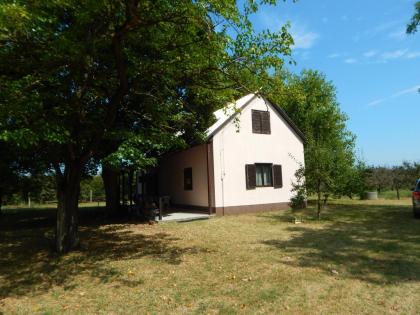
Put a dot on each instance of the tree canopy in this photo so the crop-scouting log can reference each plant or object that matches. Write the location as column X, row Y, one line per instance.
column 415, row 20
column 310, row 101
column 122, row 81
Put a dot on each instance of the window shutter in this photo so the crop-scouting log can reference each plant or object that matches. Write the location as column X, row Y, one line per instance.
column 265, row 122
column 277, row 176
column 256, row 121
column 250, row 173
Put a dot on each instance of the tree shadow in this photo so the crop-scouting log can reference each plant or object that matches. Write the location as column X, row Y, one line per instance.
column 27, row 265
column 377, row 244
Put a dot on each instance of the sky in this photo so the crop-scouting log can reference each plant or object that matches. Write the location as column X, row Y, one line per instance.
column 362, row 47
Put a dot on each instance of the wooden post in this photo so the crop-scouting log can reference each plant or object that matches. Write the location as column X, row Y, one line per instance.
column 130, row 187
column 160, row 208
column 123, row 187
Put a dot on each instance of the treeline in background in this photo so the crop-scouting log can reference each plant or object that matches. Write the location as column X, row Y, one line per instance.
column 391, row 182
column 41, row 190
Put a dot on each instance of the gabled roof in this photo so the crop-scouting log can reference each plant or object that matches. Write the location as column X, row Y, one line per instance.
column 226, row 114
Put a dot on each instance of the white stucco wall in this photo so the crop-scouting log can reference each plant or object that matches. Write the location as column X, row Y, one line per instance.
column 171, row 177
column 232, row 150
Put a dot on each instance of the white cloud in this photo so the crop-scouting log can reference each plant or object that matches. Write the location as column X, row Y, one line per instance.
column 383, row 27
column 414, row 54
column 303, row 39
column 379, row 29
column 410, row 90
column 333, row 55
column 383, row 57
column 350, row 60
column 394, row 54
column 370, row 53
column 376, row 102
column 413, row 89
column 398, row 35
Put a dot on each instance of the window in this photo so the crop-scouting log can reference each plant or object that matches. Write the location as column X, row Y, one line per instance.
column 263, row 175
column 261, row 121
column 188, row 184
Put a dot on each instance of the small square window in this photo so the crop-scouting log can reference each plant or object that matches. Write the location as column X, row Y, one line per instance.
column 261, row 122
column 264, row 175
column 188, row 184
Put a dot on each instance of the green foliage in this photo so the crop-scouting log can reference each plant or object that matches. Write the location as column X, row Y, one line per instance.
column 123, row 82
column 310, row 101
column 299, row 199
column 70, row 88
column 94, row 184
column 415, row 20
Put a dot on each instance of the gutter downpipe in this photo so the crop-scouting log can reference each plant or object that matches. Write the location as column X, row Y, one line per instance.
column 208, row 178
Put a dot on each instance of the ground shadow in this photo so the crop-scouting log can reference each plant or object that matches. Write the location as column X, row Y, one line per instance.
column 378, row 244
column 27, row 264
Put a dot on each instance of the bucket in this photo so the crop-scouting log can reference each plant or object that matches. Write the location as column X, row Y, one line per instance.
column 371, row 195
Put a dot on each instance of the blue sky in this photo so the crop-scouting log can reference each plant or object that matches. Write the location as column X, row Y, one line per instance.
column 362, row 47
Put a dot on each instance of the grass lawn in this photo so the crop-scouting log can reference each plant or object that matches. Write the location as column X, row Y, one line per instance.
column 362, row 258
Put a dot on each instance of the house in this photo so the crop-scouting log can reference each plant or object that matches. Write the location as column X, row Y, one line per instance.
column 247, row 164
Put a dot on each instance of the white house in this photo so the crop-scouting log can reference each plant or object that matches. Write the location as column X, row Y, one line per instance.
column 247, row 164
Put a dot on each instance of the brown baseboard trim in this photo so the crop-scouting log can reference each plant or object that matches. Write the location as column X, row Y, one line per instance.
column 250, row 208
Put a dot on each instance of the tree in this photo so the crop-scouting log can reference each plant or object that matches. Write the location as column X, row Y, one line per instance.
column 310, row 101
column 9, row 172
column 379, row 178
column 353, row 181
column 123, row 88
column 92, row 184
column 415, row 20
column 402, row 176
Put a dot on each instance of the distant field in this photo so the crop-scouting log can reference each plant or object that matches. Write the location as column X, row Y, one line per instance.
column 362, row 258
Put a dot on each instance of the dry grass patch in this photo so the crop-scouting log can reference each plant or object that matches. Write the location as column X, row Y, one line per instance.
column 363, row 257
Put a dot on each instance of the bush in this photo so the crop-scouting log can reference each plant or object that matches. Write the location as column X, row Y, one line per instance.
column 298, row 201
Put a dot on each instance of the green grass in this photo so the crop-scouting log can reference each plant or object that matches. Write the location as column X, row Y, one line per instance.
column 392, row 194
column 362, row 258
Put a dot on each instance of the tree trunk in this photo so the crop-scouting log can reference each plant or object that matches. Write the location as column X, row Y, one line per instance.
column 68, row 190
column 112, row 188
column 398, row 192
column 1, row 201
column 319, row 201
column 325, row 199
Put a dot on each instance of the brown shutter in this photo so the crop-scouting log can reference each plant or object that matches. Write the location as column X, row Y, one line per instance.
column 265, row 122
column 277, row 176
column 188, row 184
column 250, row 175
column 256, row 121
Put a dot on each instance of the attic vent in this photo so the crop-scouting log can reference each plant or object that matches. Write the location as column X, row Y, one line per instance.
column 261, row 121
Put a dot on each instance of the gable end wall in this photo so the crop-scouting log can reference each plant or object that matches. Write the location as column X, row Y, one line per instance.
column 232, row 150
